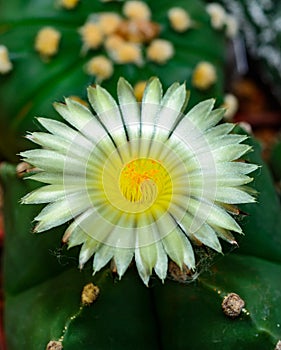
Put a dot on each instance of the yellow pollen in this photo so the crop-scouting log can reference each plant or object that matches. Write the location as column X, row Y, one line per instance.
column 142, row 180
column 47, row 41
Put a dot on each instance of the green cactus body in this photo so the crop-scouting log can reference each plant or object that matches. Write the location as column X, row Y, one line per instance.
column 43, row 288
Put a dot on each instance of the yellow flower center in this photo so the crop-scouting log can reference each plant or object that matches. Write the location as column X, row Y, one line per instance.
column 141, row 180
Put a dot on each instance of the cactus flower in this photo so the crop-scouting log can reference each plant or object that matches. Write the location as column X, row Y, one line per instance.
column 143, row 181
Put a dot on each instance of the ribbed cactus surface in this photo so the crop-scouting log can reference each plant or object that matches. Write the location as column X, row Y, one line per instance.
column 43, row 288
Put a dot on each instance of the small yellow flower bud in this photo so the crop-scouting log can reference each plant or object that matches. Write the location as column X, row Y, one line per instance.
column 139, row 89
column 136, row 10
column 101, row 67
column 160, row 51
column 113, row 42
column 109, row 22
column 127, row 52
column 231, row 105
column 47, row 41
column 217, row 15
column 179, row 19
column 5, row 63
column 204, row 75
column 92, row 35
column 68, row 4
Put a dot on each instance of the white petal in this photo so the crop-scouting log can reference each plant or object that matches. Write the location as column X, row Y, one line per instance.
column 161, row 265
column 78, row 237
column 128, row 104
column 50, row 141
column 74, row 234
column 79, row 148
column 235, row 167
column 52, row 161
column 151, row 101
column 102, row 257
column 145, row 261
column 89, row 247
column 57, row 178
column 199, row 116
column 172, row 106
column 108, row 112
column 179, row 249
column 212, row 214
column 227, row 140
column 58, row 128
column 46, row 194
column 59, row 212
column 208, row 237
column 219, row 130
column 82, row 119
column 229, row 153
column 122, row 259
column 224, row 234
column 232, row 195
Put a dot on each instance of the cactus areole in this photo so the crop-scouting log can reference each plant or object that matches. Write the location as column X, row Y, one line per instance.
column 143, row 181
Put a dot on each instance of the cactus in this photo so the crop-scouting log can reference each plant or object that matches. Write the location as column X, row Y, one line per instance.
column 43, row 286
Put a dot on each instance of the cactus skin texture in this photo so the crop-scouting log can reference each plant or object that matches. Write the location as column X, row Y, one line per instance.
column 43, row 287
column 34, row 84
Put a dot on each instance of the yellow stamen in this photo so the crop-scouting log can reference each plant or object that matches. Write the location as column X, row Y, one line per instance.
column 142, row 180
